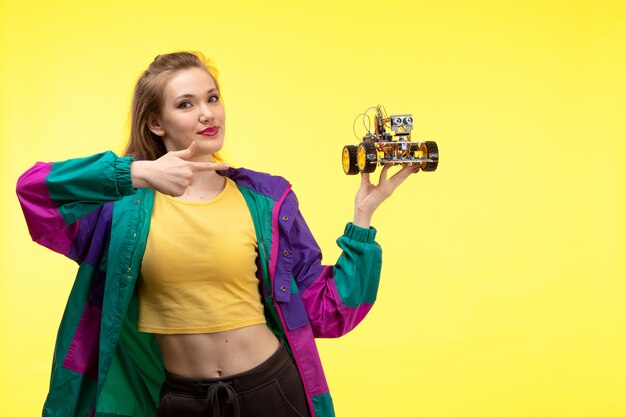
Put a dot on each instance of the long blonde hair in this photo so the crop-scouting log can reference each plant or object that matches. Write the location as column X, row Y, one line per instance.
column 148, row 97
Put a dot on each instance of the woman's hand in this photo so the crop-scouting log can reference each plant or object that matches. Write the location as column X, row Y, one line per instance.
column 370, row 196
column 172, row 173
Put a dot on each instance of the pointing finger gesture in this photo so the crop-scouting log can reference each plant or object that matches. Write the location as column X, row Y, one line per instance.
column 172, row 173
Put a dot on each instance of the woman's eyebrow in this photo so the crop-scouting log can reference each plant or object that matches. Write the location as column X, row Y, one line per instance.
column 191, row 95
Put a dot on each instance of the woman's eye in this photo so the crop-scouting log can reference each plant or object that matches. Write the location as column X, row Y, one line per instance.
column 184, row 105
column 214, row 99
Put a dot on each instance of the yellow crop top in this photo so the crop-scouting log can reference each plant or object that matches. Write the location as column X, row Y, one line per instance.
column 198, row 273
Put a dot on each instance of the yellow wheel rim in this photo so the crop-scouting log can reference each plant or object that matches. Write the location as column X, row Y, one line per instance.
column 423, row 153
column 360, row 157
column 345, row 160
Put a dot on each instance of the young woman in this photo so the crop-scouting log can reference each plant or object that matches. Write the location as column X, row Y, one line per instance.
column 200, row 288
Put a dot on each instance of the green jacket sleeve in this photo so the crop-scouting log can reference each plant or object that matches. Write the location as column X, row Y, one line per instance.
column 55, row 195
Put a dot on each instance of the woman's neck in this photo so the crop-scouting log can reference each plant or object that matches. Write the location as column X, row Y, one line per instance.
column 205, row 186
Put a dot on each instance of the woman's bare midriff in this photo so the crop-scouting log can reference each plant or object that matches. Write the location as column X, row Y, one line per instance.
column 216, row 355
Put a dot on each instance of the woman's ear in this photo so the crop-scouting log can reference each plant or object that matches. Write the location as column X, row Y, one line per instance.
column 155, row 125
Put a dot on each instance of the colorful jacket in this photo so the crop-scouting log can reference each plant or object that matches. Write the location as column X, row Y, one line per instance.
column 87, row 209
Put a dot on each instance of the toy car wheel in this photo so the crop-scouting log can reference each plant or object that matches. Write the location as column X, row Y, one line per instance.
column 348, row 160
column 431, row 151
column 367, row 157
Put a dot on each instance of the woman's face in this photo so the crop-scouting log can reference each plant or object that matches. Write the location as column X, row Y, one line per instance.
column 191, row 111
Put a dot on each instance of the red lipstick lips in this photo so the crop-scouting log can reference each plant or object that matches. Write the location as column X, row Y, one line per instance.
column 210, row 131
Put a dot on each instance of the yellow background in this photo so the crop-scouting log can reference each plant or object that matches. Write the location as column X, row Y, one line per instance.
column 503, row 289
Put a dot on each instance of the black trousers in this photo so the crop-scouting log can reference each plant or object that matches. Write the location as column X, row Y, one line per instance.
column 271, row 389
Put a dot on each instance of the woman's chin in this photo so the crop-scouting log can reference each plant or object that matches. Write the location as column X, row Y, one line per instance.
column 205, row 153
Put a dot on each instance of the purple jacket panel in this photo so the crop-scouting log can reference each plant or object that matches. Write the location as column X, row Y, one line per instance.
column 45, row 224
column 82, row 355
column 91, row 240
column 278, row 189
column 262, row 183
column 328, row 315
column 82, row 241
column 326, row 312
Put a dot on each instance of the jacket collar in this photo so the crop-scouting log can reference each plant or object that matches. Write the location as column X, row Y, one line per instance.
column 269, row 185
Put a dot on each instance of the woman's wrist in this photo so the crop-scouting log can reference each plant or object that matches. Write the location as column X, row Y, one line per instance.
column 362, row 217
column 138, row 174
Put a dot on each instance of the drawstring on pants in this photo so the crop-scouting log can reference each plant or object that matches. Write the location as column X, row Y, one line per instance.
column 214, row 400
column 272, row 388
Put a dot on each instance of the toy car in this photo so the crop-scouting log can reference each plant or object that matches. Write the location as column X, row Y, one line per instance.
column 389, row 143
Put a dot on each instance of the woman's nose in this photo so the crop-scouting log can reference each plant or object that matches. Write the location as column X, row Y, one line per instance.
column 206, row 113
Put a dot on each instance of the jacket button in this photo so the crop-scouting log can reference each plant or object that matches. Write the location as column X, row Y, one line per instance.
column 129, row 269
column 285, row 218
column 283, row 289
column 285, row 253
column 138, row 201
